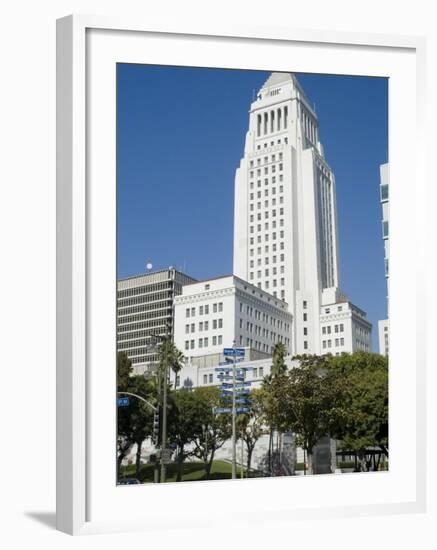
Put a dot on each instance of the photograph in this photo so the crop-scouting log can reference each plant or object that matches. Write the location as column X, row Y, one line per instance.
column 252, row 290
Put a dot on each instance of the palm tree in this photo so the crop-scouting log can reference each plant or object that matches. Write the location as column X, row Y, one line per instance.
column 170, row 356
column 177, row 362
column 278, row 369
column 279, row 352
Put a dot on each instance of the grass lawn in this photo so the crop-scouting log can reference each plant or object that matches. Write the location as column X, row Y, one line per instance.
column 193, row 471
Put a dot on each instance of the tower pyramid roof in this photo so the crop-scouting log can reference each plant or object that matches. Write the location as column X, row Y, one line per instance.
column 277, row 78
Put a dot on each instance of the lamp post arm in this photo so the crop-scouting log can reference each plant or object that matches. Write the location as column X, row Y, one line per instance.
column 138, row 397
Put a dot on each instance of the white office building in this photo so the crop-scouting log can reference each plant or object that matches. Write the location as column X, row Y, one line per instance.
column 144, row 309
column 384, row 195
column 285, row 221
column 213, row 314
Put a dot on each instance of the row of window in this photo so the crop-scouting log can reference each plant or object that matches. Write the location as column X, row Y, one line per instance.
column 266, row 205
column 146, row 307
column 328, row 343
column 260, row 172
column 271, row 143
column 271, row 121
column 266, row 189
column 204, row 325
column 262, row 346
column 124, row 323
column 264, row 317
column 266, row 159
column 144, row 299
column 204, row 310
column 124, row 330
column 267, row 271
column 337, row 328
column 145, row 289
column 204, row 342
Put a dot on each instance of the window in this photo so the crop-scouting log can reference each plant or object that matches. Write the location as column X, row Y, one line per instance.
column 192, row 344
column 324, row 344
column 207, row 287
column 200, row 342
column 187, row 312
column 206, row 325
column 384, row 192
column 205, row 379
column 187, row 329
column 341, row 327
column 201, row 326
column 220, row 306
column 261, row 371
column 210, row 378
column 214, row 324
column 187, row 344
column 254, row 372
column 385, row 229
column 193, row 328
column 305, row 344
column 328, row 330
column 342, row 341
column 206, row 310
column 200, row 310
column 304, row 304
column 214, row 340
column 205, row 342
column 220, row 340
column 305, row 317
column 305, row 331
column 220, row 323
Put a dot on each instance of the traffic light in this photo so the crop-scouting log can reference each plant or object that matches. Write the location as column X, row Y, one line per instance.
column 155, row 430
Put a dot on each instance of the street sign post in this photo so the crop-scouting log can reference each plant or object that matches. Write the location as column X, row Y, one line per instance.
column 166, row 456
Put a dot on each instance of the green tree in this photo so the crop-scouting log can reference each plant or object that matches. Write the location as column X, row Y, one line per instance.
column 272, row 389
column 361, row 414
column 251, row 426
column 307, row 402
column 134, row 422
column 185, row 424
column 215, row 430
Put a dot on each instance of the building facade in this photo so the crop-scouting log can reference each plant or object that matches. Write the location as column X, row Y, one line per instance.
column 285, row 220
column 213, row 314
column 384, row 196
column 144, row 309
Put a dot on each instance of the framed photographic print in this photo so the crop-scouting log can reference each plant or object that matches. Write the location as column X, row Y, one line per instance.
column 238, row 255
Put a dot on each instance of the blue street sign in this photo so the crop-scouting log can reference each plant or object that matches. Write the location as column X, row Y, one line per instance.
column 231, row 352
column 222, row 410
column 123, row 401
column 242, row 400
column 242, row 410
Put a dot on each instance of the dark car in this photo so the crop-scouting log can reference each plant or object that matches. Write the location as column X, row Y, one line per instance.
column 128, row 481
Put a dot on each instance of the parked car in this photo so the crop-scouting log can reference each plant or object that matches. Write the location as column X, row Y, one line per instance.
column 128, row 481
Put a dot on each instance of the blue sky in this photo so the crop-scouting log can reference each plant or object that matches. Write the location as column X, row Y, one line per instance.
column 180, row 137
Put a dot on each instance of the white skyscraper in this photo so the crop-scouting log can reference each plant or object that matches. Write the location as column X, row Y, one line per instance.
column 384, row 195
column 285, row 225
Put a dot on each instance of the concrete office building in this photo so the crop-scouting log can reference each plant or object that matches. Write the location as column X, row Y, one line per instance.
column 144, row 308
column 384, row 196
column 285, row 220
column 213, row 314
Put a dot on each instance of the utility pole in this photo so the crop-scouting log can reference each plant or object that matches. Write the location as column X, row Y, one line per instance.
column 166, row 343
column 234, row 414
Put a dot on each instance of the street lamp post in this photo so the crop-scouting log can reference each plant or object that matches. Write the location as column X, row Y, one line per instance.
column 234, row 414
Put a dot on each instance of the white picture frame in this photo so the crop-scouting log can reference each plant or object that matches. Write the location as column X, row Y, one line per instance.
column 87, row 49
